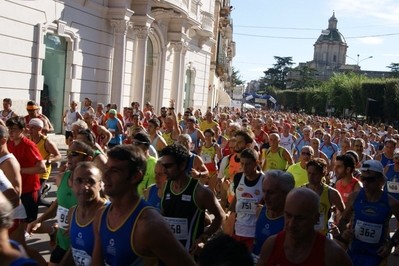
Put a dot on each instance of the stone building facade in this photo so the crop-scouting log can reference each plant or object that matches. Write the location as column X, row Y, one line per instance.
column 115, row 51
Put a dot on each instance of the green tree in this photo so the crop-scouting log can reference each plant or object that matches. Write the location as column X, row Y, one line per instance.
column 236, row 78
column 306, row 77
column 277, row 75
column 394, row 69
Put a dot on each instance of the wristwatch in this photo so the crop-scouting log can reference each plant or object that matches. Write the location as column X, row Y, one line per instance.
column 394, row 242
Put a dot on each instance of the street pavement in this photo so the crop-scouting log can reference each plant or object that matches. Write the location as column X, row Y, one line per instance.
column 41, row 242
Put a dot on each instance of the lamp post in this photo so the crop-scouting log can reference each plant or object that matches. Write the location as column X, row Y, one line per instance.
column 358, row 60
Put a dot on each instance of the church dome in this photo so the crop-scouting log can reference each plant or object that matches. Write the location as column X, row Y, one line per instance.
column 332, row 36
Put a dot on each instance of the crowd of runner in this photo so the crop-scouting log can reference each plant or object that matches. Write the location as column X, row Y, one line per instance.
column 227, row 187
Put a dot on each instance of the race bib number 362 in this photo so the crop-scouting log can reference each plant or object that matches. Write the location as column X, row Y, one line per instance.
column 368, row 232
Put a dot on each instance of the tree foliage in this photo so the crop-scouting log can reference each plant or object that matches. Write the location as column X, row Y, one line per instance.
column 306, row 77
column 277, row 75
column 236, row 78
column 345, row 91
column 394, row 69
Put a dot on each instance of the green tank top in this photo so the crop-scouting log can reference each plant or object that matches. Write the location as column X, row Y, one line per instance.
column 66, row 199
column 275, row 161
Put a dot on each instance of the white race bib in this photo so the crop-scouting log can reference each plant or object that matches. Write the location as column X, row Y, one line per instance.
column 81, row 257
column 320, row 225
column 62, row 217
column 206, row 158
column 179, row 227
column 368, row 232
column 246, row 205
column 392, row 187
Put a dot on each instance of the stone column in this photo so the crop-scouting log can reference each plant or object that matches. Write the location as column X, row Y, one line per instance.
column 119, row 58
column 140, row 61
column 177, row 89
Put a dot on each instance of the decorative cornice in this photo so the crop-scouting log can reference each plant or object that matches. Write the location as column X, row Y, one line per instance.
column 142, row 32
column 179, row 47
column 121, row 26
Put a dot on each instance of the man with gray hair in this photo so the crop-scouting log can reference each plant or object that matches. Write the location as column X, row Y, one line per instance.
column 99, row 115
column 270, row 217
column 358, row 147
column 299, row 242
column 298, row 170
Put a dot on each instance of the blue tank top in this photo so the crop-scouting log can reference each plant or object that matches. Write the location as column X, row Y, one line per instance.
column 266, row 227
column 82, row 236
column 117, row 244
column 385, row 160
column 113, row 125
column 153, row 198
column 371, row 224
column 190, row 164
column 21, row 261
column 194, row 140
column 298, row 146
column 329, row 150
column 392, row 182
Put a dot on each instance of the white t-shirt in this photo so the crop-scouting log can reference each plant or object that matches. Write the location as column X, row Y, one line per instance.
column 19, row 211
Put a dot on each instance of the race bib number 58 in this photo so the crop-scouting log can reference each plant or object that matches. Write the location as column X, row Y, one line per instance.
column 178, row 227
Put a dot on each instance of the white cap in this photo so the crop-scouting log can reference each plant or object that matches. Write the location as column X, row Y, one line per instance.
column 36, row 122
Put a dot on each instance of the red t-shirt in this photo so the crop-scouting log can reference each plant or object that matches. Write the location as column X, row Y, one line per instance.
column 316, row 256
column 267, row 130
column 346, row 190
column 27, row 154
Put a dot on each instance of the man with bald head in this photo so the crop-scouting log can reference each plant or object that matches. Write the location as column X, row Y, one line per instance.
column 300, row 243
column 276, row 157
column 208, row 123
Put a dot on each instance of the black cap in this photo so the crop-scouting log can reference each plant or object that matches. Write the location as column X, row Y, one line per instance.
column 108, row 105
column 144, row 138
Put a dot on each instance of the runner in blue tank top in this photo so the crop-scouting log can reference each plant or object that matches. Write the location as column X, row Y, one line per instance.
column 392, row 177
column 369, row 211
column 154, row 193
column 129, row 231
column 270, row 221
column 86, row 186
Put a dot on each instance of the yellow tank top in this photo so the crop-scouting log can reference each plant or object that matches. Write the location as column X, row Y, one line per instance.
column 168, row 138
column 325, row 210
column 208, row 155
column 46, row 155
column 275, row 161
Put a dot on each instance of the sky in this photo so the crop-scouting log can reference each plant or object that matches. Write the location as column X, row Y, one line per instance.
column 291, row 27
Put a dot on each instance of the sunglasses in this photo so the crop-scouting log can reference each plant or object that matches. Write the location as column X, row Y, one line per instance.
column 75, row 153
column 368, row 179
column 91, row 182
column 167, row 165
column 306, row 153
column 137, row 143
